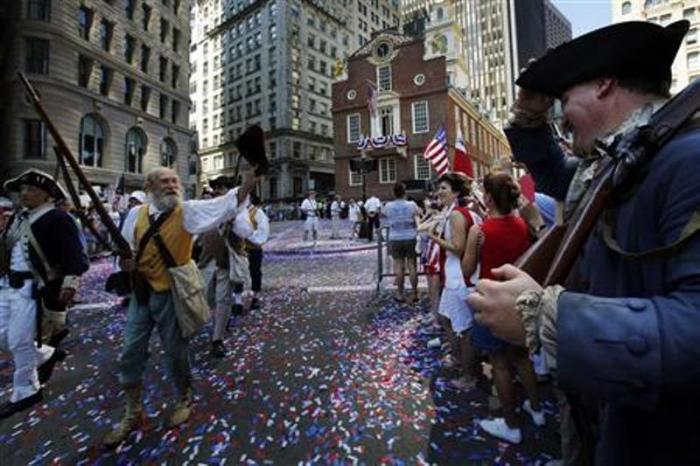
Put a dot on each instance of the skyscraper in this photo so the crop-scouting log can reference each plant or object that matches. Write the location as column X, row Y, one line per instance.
column 499, row 37
column 271, row 63
column 686, row 66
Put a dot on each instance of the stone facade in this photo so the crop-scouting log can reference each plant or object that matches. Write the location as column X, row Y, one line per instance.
column 105, row 101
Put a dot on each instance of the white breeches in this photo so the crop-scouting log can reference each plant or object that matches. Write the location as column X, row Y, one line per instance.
column 17, row 335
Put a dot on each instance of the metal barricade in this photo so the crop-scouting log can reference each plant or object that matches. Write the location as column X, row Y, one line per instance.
column 385, row 265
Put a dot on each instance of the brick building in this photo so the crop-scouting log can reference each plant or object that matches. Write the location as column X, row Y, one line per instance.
column 420, row 86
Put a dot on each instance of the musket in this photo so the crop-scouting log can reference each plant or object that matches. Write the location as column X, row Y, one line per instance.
column 76, row 199
column 550, row 260
column 123, row 248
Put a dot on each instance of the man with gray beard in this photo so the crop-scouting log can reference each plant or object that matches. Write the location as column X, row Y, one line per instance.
column 177, row 222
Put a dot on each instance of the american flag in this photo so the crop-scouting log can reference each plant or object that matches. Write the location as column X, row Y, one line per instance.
column 372, row 95
column 436, row 152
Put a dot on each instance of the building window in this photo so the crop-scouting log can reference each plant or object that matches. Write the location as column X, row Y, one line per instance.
column 273, row 188
column 354, row 127
column 129, row 87
column 692, row 36
column 129, row 7
column 689, row 13
column 92, row 142
column 163, row 68
column 37, row 56
column 626, row 8
column 384, row 78
column 421, row 167
column 387, row 171
column 163, row 106
column 386, row 120
column 168, row 153
column 145, row 97
column 129, row 47
column 296, row 150
column 105, row 80
column 164, row 28
column 146, row 16
column 106, row 30
column 419, row 111
column 175, row 76
column 34, row 137
column 84, row 71
column 175, row 112
column 38, row 9
column 176, row 40
column 693, row 60
column 84, row 22
column 298, row 186
column 145, row 57
column 355, row 177
column 135, row 150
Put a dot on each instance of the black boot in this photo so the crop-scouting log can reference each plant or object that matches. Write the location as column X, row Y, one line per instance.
column 9, row 408
column 217, row 349
column 255, row 304
column 46, row 369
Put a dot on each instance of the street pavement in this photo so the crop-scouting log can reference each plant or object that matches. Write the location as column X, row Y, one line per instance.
column 327, row 372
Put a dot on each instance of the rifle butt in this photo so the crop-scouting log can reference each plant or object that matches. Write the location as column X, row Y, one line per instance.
column 537, row 261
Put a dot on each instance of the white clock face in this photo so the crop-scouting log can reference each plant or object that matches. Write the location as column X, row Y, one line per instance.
column 351, row 94
column 419, row 79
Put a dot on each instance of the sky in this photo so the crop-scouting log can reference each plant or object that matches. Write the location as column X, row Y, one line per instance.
column 585, row 15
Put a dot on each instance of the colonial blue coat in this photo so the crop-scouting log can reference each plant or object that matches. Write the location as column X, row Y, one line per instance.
column 59, row 239
column 629, row 335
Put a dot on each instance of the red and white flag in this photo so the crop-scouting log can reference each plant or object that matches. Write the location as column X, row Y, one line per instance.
column 436, row 152
column 462, row 162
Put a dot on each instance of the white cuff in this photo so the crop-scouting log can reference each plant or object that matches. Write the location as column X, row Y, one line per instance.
column 71, row 281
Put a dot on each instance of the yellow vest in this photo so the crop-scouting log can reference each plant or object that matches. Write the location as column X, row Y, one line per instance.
column 176, row 239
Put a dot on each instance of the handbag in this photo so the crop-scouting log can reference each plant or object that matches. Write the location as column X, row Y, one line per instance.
column 187, row 288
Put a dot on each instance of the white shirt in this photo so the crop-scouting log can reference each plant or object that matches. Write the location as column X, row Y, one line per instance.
column 199, row 215
column 262, row 233
column 335, row 208
column 309, row 207
column 373, row 204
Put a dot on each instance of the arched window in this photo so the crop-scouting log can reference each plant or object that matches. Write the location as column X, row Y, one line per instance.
column 168, row 153
column 135, row 150
column 626, row 8
column 92, row 141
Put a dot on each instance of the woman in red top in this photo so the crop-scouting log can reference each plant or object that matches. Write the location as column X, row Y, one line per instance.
column 502, row 239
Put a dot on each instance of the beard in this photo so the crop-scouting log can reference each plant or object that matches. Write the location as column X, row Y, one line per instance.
column 165, row 202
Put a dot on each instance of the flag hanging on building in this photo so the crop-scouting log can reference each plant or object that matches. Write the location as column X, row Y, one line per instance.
column 372, row 95
column 462, row 162
column 436, row 152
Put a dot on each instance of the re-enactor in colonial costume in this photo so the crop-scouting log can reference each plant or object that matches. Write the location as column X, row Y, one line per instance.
column 176, row 221
column 41, row 259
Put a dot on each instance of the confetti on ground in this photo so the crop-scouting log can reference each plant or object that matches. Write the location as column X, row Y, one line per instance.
column 336, row 376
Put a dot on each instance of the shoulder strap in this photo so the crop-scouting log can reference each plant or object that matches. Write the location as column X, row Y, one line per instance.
column 162, row 248
column 153, row 228
column 689, row 230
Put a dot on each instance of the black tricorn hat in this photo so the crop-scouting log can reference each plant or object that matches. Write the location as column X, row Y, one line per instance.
column 251, row 145
column 38, row 178
column 222, row 181
column 633, row 49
